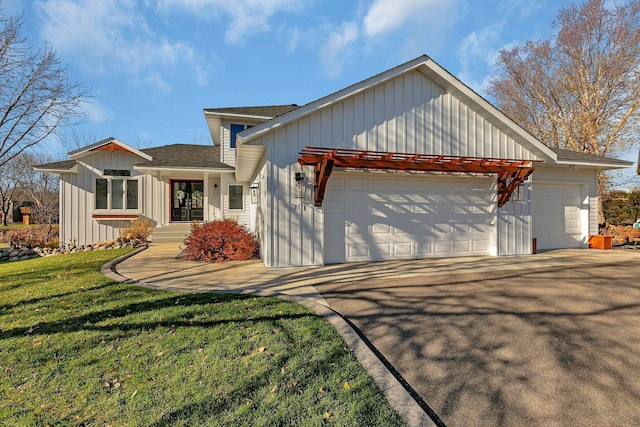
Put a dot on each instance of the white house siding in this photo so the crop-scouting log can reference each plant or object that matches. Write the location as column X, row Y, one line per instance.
column 228, row 154
column 563, row 196
column 78, row 203
column 258, row 222
column 514, row 223
column 408, row 114
column 242, row 216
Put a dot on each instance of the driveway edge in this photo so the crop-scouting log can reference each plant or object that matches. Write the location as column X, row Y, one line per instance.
column 394, row 391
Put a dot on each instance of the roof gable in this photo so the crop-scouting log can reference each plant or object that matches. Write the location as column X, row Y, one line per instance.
column 431, row 70
column 107, row 144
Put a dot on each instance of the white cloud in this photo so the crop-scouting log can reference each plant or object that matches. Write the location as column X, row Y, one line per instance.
column 247, row 17
column 477, row 52
column 12, row 7
column 111, row 36
column 155, row 79
column 385, row 16
column 96, row 112
column 336, row 48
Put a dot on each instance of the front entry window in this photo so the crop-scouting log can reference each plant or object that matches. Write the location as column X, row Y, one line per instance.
column 187, row 200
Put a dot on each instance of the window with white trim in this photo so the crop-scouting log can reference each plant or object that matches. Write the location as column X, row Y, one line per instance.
column 117, row 194
column 234, row 130
column 236, row 199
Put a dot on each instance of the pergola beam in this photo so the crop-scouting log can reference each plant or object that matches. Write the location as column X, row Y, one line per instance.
column 511, row 173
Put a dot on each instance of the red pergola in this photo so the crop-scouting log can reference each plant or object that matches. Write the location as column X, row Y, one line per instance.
column 511, row 173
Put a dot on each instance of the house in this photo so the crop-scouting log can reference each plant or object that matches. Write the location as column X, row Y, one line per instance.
column 407, row 164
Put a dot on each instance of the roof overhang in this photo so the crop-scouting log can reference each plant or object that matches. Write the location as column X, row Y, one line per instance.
column 108, row 144
column 597, row 165
column 510, row 172
column 152, row 168
column 248, row 160
column 73, row 169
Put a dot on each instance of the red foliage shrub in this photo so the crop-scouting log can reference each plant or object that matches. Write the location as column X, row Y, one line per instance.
column 220, row 241
column 33, row 236
column 623, row 234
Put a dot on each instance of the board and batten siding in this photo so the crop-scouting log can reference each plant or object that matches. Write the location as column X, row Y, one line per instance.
column 408, row 114
column 78, row 201
column 514, row 223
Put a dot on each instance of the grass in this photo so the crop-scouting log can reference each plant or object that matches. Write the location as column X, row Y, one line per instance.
column 77, row 348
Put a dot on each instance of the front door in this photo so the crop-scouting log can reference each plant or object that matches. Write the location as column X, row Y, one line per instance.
column 187, row 201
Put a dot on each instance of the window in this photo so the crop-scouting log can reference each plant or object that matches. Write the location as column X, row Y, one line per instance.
column 117, row 194
column 236, row 201
column 235, row 129
column 116, row 172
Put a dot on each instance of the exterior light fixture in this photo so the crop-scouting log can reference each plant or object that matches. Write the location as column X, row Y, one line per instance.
column 215, row 189
column 300, row 187
column 255, row 194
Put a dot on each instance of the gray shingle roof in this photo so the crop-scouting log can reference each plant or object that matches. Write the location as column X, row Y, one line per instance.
column 57, row 166
column 259, row 111
column 173, row 156
column 185, row 155
column 577, row 156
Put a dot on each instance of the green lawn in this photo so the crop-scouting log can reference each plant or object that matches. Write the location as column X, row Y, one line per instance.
column 77, row 348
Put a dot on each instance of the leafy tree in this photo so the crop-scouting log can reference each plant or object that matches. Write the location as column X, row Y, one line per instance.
column 580, row 90
column 36, row 97
column 621, row 207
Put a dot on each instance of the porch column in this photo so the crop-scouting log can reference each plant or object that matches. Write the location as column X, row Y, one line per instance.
column 207, row 209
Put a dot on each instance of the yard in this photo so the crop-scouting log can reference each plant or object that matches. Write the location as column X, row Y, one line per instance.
column 80, row 349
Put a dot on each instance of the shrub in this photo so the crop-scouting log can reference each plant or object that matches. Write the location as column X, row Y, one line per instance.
column 140, row 229
column 34, row 236
column 220, row 241
column 623, row 234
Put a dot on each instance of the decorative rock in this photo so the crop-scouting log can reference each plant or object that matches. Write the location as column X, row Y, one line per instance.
column 24, row 253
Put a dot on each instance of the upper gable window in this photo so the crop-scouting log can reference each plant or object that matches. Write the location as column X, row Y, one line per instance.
column 116, row 172
column 235, row 129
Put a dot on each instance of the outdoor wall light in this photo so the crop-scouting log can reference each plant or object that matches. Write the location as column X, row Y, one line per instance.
column 215, row 189
column 255, row 194
column 300, row 187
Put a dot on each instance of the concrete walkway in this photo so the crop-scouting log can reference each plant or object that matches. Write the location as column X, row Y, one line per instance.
column 157, row 268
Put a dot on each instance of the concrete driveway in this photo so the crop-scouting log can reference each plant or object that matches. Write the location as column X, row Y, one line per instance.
column 548, row 339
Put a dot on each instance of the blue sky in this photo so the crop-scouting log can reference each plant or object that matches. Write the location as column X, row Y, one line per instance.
column 153, row 65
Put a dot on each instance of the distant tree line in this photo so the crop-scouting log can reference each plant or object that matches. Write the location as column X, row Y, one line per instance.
column 621, row 207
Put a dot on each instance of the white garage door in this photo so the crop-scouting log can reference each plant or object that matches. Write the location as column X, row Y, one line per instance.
column 556, row 215
column 375, row 217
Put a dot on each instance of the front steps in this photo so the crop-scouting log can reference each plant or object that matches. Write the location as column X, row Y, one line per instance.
column 171, row 233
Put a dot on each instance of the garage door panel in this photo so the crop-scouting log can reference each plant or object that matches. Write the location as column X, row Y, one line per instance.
column 556, row 215
column 414, row 217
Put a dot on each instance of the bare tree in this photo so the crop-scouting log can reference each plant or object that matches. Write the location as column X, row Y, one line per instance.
column 42, row 189
column 36, row 97
column 580, row 90
column 77, row 139
column 11, row 177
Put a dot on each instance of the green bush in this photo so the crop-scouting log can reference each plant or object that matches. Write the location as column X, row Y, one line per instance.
column 219, row 241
